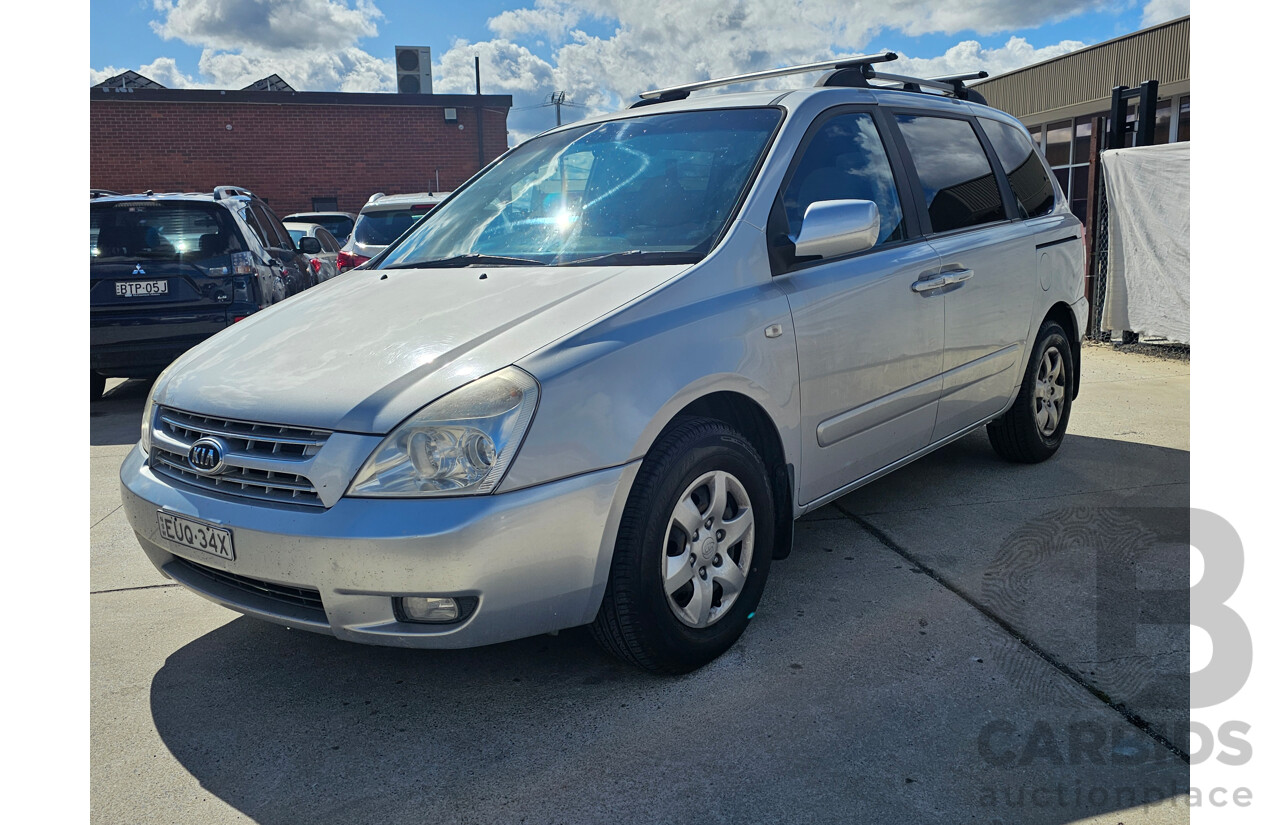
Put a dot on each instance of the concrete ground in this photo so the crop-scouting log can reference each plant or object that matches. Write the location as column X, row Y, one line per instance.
column 964, row 640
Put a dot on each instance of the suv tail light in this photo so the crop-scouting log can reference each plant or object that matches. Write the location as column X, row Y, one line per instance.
column 241, row 263
column 347, row 260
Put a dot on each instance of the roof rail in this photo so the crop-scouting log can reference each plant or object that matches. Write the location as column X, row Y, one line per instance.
column 220, row 192
column 848, row 71
column 682, row 91
column 858, row 76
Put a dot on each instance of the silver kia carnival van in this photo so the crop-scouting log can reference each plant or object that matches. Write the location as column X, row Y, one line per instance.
column 597, row 385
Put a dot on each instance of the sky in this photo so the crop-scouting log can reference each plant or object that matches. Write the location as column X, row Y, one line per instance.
column 602, row 53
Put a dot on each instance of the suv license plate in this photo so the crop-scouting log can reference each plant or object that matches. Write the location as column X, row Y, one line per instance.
column 196, row 535
column 131, row 289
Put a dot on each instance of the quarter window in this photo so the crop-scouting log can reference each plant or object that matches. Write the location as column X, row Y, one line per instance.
column 960, row 188
column 1027, row 176
column 845, row 160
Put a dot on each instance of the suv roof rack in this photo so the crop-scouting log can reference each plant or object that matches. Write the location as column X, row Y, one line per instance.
column 950, row 85
column 848, row 71
column 220, row 192
column 682, row 91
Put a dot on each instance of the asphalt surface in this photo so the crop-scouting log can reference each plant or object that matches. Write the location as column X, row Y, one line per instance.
column 963, row 641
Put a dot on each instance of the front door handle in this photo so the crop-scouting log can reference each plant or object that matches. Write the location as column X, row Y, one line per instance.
column 936, row 282
column 957, row 276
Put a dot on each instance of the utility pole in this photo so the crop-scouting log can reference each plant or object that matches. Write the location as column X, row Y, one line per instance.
column 557, row 98
column 479, row 121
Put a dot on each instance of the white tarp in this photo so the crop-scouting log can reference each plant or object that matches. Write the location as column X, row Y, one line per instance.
column 1149, row 240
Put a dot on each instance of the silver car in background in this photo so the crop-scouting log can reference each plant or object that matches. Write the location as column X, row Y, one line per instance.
column 598, row 385
column 322, row 251
column 383, row 219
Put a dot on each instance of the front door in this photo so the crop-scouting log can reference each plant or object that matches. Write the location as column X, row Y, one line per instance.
column 869, row 345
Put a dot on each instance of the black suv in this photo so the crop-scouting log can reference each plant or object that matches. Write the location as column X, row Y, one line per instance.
column 168, row 270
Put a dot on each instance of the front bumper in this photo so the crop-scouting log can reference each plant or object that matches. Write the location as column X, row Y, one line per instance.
column 537, row 559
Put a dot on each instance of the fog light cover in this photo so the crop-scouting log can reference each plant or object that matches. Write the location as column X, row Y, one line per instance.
column 434, row 609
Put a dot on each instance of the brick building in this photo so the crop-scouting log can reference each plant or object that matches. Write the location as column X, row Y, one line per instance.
column 300, row 151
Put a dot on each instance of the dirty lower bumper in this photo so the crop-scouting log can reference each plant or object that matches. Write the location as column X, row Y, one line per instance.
column 537, row 559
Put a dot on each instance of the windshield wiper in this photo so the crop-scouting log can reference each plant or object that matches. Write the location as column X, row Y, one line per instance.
column 468, row 260
column 639, row 256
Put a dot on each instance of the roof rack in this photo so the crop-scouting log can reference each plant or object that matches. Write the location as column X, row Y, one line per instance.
column 220, row 192
column 849, row 72
column 952, row 85
column 682, row 91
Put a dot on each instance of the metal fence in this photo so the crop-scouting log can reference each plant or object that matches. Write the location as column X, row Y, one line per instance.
column 1099, row 241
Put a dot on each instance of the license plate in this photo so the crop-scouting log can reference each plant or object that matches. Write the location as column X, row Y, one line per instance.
column 132, row 289
column 196, row 535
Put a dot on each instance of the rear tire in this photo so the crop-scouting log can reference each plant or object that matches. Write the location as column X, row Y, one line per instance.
column 678, row 596
column 1033, row 428
column 97, row 385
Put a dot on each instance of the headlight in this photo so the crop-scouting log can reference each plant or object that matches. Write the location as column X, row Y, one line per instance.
column 460, row 444
column 147, row 411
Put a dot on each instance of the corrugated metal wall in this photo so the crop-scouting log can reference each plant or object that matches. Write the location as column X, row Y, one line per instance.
column 1161, row 53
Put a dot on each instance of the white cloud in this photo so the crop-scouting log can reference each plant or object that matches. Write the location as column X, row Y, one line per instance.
column 550, row 18
column 260, row 25
column 1158, row 11
column 314, row 44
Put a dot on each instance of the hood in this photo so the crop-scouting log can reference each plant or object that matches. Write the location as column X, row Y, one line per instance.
column 363, row 351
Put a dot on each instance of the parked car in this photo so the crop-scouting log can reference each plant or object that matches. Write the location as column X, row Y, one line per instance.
column 320, row 247
column 166, row 271
column 383, row 219
column 600, row 382
column 339, row 224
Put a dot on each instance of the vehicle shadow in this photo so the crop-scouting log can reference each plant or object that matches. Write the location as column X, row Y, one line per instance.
column 114, row 419
column 860, row 693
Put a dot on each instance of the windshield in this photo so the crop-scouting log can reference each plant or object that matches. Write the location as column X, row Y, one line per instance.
column 297, row 235
column 194, row 232
column 640, row 190
column 384, row 226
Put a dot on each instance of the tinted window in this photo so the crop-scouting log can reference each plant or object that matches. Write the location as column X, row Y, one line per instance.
column 381, row 228
column 194, row 232
column 327, row 242
column 1022, row 165
column 270, row 219
column 845, row 160
column 339, row 225
column 252, row 220
column 959, row 184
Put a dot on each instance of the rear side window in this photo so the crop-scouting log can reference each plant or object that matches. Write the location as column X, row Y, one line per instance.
column 960, row 188
column 327, row 242
column 1022, row 165
column 193, row 232
column 845, row 160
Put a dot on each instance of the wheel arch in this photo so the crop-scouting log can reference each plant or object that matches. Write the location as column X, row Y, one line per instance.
column 749, row 418
column 1061, row 313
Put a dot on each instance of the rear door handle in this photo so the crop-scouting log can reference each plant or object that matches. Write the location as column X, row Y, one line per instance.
column 957, row 276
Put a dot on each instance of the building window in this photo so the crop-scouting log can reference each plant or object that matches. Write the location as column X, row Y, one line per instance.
column 1163, row 110
column 1184, row 119
column 324, row 204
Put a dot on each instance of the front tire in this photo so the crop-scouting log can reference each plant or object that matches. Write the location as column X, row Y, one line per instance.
column 1033, row 428
column 693, row 550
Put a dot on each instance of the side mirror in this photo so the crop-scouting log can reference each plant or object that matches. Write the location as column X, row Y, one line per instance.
column 832, row 228
column 309, row 245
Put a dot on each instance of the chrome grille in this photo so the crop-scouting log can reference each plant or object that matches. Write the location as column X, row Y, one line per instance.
column 267, row 462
